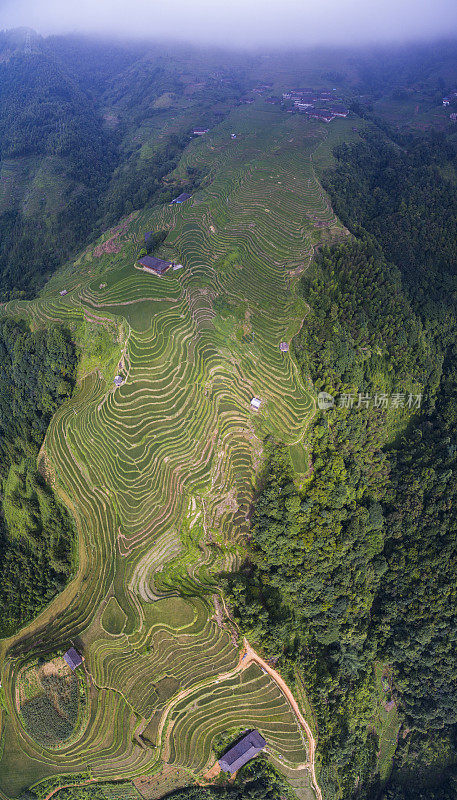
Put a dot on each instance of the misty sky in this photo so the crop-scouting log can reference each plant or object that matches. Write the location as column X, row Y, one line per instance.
column 241, row 22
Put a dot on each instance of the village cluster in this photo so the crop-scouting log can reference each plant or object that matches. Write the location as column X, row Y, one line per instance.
column 320, row 105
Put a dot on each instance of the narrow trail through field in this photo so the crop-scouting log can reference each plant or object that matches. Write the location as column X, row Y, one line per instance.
column 68, row 786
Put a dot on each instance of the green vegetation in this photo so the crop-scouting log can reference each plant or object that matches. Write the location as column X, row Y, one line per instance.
column 413, row 614
column 113, row 618
column 36, row 376
column 356, row 564
column 51, row 130
column 258, row 780
column 50, row 715
column 158, row 473
column 317, row 565
column 84, row 143
column 351, row 548
column 99, row 346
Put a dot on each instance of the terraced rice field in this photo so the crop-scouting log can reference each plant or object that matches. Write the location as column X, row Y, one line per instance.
column 159, row 472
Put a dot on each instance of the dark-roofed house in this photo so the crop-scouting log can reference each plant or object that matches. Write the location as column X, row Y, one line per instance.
column 248, row 747
column 155, row 265
column 182, row 198
column 73, row 658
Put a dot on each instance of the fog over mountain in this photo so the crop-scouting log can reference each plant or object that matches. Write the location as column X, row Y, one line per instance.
column 242, row 22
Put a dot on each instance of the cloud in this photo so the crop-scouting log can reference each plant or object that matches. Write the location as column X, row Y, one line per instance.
column 241, row 22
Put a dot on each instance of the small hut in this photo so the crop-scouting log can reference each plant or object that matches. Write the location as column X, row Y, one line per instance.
column 73, row 658
column 181, row 198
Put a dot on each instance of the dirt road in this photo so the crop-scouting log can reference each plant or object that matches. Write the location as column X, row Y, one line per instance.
column 251, row 656
column 247, row 656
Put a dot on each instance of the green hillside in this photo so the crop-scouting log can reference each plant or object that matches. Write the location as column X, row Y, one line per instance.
column 88, row 132
column 159, row 473
column 162, row 525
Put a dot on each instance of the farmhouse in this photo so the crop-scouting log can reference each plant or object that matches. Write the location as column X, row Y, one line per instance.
column 241, row 753
column 118, row 380
column 154, row 265
column 200, row 131
column 63, row 292
column 255, row 403
column 284, row 347
column 181, row 198
column 73, row 658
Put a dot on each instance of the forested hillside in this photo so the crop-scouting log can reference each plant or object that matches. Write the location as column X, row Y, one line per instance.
column 37, row 373
column 89, row 130
column 358, row 566
column 55, row 162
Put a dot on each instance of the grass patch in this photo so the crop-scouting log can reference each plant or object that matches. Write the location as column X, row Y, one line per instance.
column 99, row 347
column 387, row 722
column 299, row 458
column 113, row 617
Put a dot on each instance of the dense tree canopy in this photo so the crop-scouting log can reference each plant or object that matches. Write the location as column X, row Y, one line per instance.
column 37, row 373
